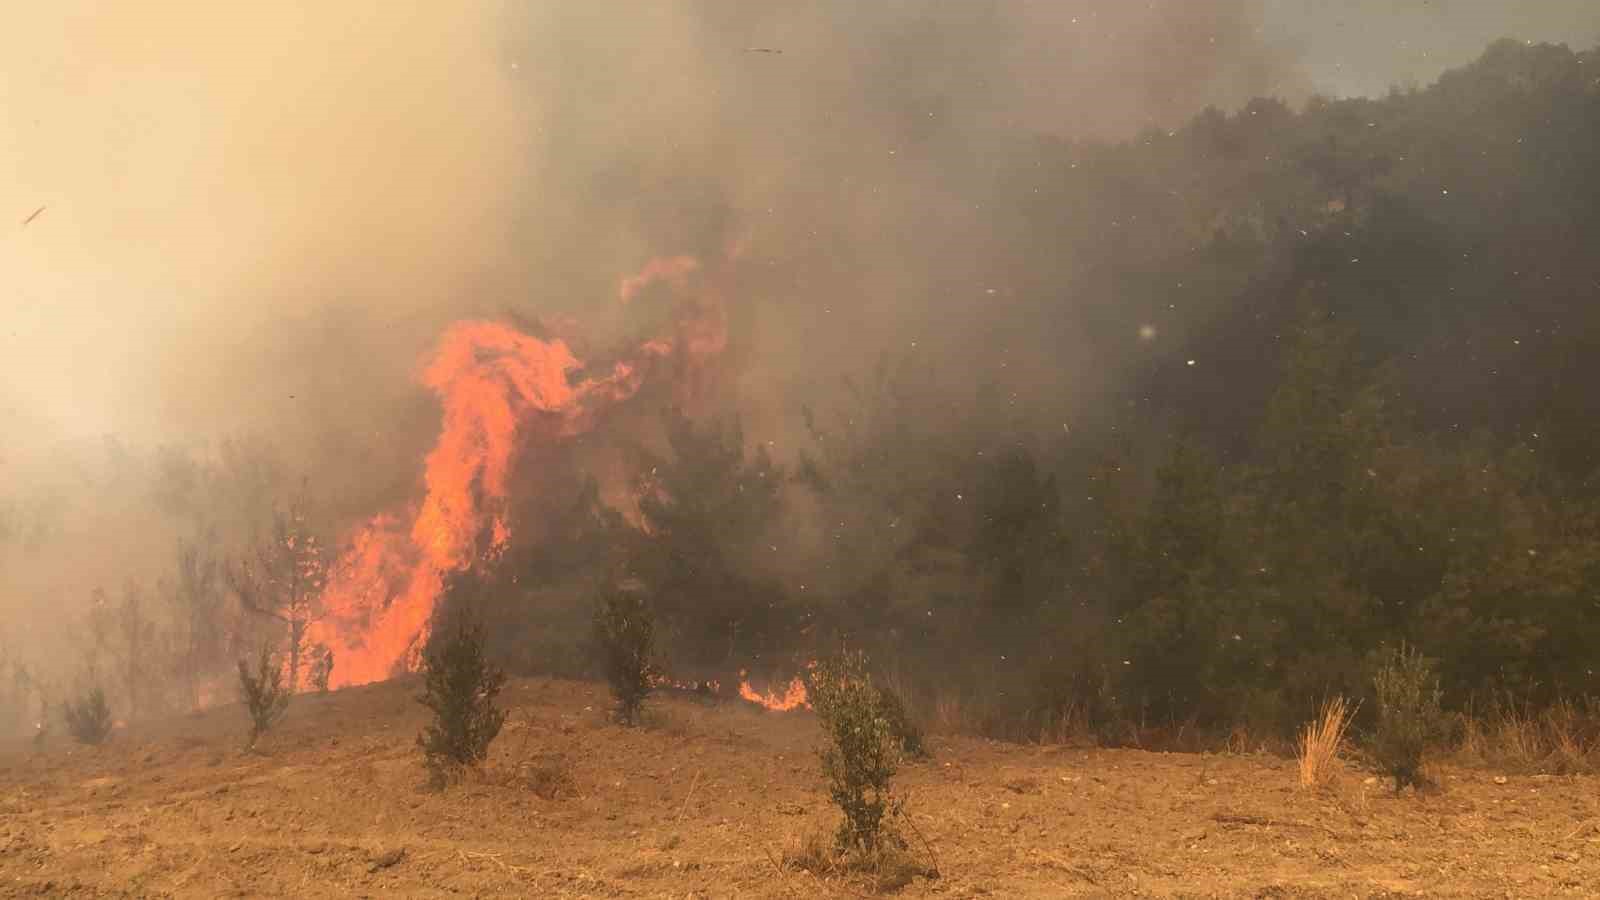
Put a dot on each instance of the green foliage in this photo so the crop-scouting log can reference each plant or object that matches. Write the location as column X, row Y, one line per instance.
column 1408, row 714
column 624, row 633
column 89, row 717
column 862, row 753
column 459, row 686
column 266, row 696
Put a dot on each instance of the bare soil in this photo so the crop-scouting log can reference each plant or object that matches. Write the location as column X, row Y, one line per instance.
column 705, row 801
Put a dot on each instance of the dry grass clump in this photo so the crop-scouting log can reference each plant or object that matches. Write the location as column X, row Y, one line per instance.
column 549, row 778
column 1571, row 747
column 1561, row 739
column 950, row 714
column 888, row 866
column 1317, row 752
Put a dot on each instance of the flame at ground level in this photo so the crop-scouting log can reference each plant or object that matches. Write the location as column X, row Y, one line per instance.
column 793, row 697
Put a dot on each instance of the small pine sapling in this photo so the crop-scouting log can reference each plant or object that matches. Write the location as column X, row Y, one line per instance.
column 1408, row 714
column 266, row 697
column 459, row 686
column 624, row 632
column 89, row 717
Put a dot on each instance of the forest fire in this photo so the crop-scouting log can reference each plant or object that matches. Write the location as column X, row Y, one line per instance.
column 503, row 393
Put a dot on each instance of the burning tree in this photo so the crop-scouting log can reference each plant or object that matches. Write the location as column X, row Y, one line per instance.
column 284, row 577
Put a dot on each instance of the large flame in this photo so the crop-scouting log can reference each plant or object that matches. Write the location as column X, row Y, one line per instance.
column 502, row 391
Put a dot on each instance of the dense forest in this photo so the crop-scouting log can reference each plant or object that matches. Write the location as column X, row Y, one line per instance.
column 1360, row 411
column 1364, row 415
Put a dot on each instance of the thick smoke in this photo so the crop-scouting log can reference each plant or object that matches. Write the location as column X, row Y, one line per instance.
column 258, row 219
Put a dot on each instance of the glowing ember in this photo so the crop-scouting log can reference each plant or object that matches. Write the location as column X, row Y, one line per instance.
column 501, row 391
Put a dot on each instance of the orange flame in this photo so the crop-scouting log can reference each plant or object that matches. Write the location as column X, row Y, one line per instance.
column 501, row 390
column 793, row 697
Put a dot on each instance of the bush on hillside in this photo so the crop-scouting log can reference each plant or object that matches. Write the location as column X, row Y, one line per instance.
column 89, row 717
column 1408, row 714
column 624, row 632
column 459, row 686
column 266, row 696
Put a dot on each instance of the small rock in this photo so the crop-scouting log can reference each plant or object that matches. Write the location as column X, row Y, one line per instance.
column 1499, row 779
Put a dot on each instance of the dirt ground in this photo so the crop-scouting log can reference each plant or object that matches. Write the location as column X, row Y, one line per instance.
column 704, row 802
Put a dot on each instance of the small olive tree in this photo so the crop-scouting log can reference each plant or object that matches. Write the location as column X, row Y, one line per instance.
column 863, row 752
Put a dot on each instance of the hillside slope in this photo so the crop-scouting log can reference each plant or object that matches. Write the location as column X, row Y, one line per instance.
column 704, row 803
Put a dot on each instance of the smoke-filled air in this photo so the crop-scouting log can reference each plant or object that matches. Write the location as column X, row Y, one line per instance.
column 1069, row 373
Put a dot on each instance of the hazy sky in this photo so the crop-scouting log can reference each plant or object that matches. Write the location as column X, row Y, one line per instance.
column 1363, row 46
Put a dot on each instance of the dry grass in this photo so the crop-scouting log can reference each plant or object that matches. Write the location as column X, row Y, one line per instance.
column 1562, row 739
column 1320, row 742
column 551, row 780
column 950, row 714
column 1069, row 727
column 1570, row 747
column 887, row 867
column 1517, row 737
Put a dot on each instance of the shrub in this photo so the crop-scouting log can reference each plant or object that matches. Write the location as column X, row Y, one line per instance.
column 459, row 686
column 1320, row 741
column 1408, row 714
column 862, row 753
column 321, row 668
column 266, row 697
column 624, row 632
column 88, row 717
